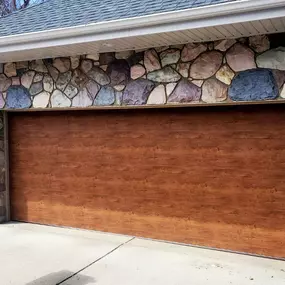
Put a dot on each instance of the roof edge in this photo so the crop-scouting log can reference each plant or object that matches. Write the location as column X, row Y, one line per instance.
column 219, row 14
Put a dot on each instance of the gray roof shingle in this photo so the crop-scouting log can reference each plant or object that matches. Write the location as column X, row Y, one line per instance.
column 55, row 14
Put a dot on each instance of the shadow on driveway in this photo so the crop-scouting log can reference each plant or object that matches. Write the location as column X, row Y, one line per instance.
column 58, row 278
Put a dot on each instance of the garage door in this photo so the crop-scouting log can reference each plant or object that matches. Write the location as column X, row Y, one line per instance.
column 208, row 176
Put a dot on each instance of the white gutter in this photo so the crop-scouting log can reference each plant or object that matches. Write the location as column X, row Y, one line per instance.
column 213, row 15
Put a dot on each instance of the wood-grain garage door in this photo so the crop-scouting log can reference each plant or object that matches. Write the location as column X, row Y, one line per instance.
column 209, row 176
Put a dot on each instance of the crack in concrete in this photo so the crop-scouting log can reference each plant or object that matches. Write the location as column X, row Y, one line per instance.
column 95, row 261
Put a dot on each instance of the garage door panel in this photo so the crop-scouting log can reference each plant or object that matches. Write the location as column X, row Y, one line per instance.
column 212, row 177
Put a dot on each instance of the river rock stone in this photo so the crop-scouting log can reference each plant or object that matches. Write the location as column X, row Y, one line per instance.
column 185, row 92
column 198, row 83
column 191, row 51
column 94, row 56
column 137, row 92
column 70, row 91
column 62, row 64
column 165, row 75
column 106, row 58
column 86, row 65
column 254, row 85
column 274, row 59
column 225, row 74
column 183, row 69
column 10, row 69
column 41, row 100
column 5, row 82
column 169, row 88
column 279, row 76
column 63, row 80
column 259, row 43
column 38, row 77
column 105, row 97
column 79, row 79
column 36, row 88
column 92, row 88
column 2, row 101
column 206, row 65
column 38, row 65
column 22, row 65
column 151, row 60
column 119, row 97
column 75, row 61
column 118, row 72
column 98, row 75
column 119, row 88
column 137, row 71
column 58, row 99
column 18, row 97
column 224, row 45
column 27, row 78
column 82, row 99
column 53, row 72
column 157, row 96
column 169, row 56
column 16, row 80
column 240, row 58
column 48, row 83
column 282, row 94
column 124, row 54
column 214, row 91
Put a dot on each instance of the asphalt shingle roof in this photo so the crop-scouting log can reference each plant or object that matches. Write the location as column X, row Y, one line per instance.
column 55, row 14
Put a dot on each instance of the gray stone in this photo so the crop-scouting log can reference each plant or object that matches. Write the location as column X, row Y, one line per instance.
column 92, row 88
column 254, row 85
column 98, row 75
column 119, row 72
column 62, row 64
column 86, row 65
column 10, row 69
column 75, row 61
column 165, row 75
column 79, row 79
column 106, row 58
column 70, row 91
column 214, row 91
column 5, row 82
column 27, row 79
column 63, row 80
column 82, row 99
column 124, row 54
column 137, row 92
column 191, row 51
column 274, row 59
column 151, row 60
column 169, row 56
column 18, row 97
column 48, row 83
column 36, row 88
column 58, row 99
column 259, row 43
column 53, row 72
column 105, row 97
column 38, row 65
column 240, row 57
column 38, row 77
column 185, row 92
column 206, row 65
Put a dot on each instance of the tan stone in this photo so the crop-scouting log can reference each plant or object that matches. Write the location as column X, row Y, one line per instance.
column 240, row 58
column 10, row 69
column 62, row 64
column 137, row 71
column 206, row 65
column 119, row 87
column 157, row 96
column 213, row 91
column 191, row 51
column 225, row 74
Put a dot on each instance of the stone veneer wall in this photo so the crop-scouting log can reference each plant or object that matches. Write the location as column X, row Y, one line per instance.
column 2, row 172
column 246, row 69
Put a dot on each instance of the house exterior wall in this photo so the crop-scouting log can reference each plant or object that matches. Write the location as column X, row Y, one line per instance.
column 228, row 71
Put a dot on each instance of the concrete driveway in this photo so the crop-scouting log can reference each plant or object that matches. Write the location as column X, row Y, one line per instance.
column 42, row 255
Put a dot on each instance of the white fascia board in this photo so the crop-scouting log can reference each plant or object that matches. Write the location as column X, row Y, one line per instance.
column 214, row 15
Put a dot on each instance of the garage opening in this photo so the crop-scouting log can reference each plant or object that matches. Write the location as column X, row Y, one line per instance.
column 207, row 176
